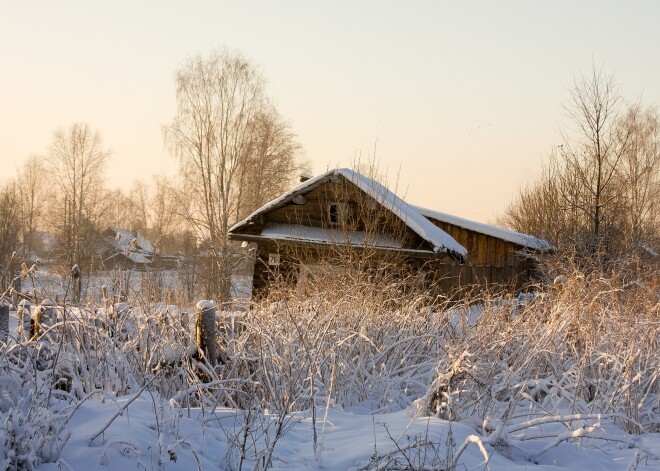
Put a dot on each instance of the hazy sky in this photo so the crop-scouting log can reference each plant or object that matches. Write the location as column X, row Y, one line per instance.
column 461, row 100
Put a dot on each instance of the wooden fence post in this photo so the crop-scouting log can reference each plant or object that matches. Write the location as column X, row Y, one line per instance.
column 24, row 315
column 4, row 322
column 77, row 283
column 205, row 327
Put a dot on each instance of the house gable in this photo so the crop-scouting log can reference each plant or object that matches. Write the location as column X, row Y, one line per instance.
column 345, row 207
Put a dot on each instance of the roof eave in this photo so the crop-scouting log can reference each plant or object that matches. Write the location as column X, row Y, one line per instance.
column 417, row 253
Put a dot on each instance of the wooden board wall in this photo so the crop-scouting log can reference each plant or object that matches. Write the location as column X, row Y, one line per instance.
column 451, row 278
column 364, row 214
column 484, row 250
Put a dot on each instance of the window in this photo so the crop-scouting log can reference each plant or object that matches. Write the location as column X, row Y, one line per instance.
column 337, row 213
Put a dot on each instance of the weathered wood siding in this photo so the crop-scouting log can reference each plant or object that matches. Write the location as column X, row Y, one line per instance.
column 484, row 250
column 364, row 214
column 448, row 278
column 491, row 261
column 265, row 275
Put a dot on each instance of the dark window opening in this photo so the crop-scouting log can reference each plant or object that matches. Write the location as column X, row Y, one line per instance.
column 334, row 214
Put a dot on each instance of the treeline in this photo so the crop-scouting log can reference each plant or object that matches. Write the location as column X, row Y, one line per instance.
column 235, row 153
column 597, row 198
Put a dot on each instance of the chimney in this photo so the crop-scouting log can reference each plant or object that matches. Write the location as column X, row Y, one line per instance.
column 305, row 176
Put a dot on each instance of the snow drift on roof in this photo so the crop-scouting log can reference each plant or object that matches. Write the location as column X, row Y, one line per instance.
column 125, row 241
column 504, row 234
column 439, row 239
column 137, row 249
column 279, row 231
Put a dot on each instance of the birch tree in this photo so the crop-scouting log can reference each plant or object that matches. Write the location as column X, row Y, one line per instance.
column 34, row 190
column 599, row 193
column 10, row 228
column 639, row 174
column 77, row 160
column 222, row 134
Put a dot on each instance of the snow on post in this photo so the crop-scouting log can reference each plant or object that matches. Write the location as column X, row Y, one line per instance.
column 47, row 310
column 206, row 330
column 24, row 326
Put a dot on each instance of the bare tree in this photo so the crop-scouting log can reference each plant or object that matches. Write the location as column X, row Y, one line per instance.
column 10, row 228
column 269, row 165
column 119, row 208
column 34, row 188
column 639, row 175
column 224, row 134
column 128, row 209
column 77, row 160
column 599, row 192
column 163, row 220
column 591, row 154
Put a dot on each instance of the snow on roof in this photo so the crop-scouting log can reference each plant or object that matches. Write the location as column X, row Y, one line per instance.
column 144, row 244
column 137, row 249
column 126, row 241
column 279, row 231
column 123, row 238
column 439, row 239
column 497, row 232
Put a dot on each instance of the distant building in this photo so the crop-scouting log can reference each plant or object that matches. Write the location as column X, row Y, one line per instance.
column 129, row 250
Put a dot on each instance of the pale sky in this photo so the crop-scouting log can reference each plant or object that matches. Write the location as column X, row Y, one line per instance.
column 461, row 100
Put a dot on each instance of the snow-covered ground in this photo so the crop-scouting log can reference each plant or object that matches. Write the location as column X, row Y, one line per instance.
column 336, row 381
column 151, row 434
column 122, row 284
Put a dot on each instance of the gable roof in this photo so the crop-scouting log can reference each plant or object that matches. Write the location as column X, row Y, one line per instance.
column 436, row 237
column 517, row 238
column 136, row 248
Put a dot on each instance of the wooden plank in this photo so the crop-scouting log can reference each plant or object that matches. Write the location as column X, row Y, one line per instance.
column 483, row 250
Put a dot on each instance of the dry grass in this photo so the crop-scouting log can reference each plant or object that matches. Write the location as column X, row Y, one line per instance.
column 586, row 346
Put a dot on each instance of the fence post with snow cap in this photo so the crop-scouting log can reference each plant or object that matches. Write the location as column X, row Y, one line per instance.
column 24, row 315
column 205, row 327
column 48, row 313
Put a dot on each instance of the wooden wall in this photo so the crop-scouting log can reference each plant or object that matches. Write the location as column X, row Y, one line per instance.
column 364, row 214
column 449, row 278
column 484, row 250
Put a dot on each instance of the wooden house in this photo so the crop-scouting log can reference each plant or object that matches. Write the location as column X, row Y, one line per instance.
column 342, row 211
column 126, row 249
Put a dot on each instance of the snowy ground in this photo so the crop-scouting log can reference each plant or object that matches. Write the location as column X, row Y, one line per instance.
column 145, row 431
column 335, row 382
column 121, row 284
column 149, row 434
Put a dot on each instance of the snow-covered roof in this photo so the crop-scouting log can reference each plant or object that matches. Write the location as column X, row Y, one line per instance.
column 493, row 231
column 439, row 239
column 137, row 249
column 279, row 231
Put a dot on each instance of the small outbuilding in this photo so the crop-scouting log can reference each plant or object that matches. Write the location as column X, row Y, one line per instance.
column 342, row 211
